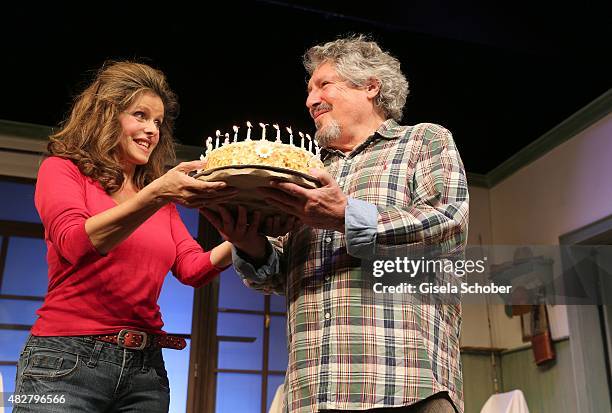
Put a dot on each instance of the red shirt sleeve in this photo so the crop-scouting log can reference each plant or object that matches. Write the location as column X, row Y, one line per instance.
column 192, row 265
column 60, row 201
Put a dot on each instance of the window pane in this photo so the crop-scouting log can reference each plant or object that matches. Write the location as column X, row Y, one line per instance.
column 176, row 306
column 277, row 303
column 18, row 311
column 237, row 355
column 17, row 202
column 177, row 365
column 11, row 343
column 234, row 294
column 274, row 381
column 25, row 272
column 191, row 218
column 277, row 359
column 8, row 377
column 238, row 392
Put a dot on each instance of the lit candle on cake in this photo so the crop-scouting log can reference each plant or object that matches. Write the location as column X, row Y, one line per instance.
column 301, row 140
column 209, row 147
column 309, row 142
column 226, row 141
column 263, row 130
column 278, row 139
column 317, row 149
column 290, row 135
column 235, row 133
column 217, row 133
column 248, row 138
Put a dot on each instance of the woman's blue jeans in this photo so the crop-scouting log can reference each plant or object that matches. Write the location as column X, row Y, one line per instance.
column 91, row 375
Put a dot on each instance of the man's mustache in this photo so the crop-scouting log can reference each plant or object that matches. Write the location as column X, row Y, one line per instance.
column 319, row 108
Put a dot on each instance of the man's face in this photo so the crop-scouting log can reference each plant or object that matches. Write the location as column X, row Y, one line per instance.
column 334, row 104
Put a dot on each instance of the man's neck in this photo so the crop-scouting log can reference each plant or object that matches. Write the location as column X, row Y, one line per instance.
column 356, row 135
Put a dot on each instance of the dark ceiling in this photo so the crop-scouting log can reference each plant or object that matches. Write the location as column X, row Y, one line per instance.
column 497, row 76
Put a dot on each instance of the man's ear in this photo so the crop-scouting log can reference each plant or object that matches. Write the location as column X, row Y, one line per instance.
column 372, row 87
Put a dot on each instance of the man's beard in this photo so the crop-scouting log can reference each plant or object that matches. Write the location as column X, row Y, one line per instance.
column 329, row 133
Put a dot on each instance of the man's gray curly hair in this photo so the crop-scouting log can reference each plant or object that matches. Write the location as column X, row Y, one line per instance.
column 360, row 60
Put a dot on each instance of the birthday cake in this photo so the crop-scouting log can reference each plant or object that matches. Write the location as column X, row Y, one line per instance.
column 263, row 152
column 251, row 164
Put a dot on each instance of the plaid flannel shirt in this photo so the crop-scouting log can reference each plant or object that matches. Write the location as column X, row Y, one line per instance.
column 347, row 350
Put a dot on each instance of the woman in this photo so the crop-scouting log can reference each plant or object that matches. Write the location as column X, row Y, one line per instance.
column 113, row 233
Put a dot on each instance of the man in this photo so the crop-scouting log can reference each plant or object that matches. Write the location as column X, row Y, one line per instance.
column 386, row 187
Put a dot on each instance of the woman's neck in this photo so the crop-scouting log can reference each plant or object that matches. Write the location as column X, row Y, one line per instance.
column 127, row 190
column 128, row 173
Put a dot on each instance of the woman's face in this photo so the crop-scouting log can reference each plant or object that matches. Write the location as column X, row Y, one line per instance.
column 140, row 124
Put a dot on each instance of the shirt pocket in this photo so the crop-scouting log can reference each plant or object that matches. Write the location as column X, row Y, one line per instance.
column 390, row 187
column 50, row 364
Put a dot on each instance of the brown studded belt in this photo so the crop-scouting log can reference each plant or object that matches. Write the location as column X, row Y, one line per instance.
column 139, row 340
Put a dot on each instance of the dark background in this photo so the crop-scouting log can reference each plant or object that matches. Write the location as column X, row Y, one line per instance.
column 497, row 75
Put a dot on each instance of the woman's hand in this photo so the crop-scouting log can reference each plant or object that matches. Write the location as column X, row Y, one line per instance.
column 177, row 186
column 107, row 229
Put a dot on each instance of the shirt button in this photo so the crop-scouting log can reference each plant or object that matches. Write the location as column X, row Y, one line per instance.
column 327, row 316
column 340, row 183
column 328, row 239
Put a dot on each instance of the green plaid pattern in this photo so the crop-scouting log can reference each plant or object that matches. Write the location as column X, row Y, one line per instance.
column 348, row 349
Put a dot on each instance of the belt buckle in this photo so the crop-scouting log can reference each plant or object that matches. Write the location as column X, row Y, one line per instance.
column 121, row 339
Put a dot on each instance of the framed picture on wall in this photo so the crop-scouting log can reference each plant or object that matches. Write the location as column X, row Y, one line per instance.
column 526, row 327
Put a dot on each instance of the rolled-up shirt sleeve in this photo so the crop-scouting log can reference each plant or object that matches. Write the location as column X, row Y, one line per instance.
column 267, row 278
column 247, row 270
column 360, row 223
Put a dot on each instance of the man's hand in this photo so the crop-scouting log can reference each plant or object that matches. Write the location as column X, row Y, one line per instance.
column 318, row 208
column 249, row 237
column 274, row 227
column 242, row 234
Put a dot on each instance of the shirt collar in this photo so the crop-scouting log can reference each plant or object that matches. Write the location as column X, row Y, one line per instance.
column 389, row 129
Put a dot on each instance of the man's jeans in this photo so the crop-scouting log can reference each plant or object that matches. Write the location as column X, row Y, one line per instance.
column 90, row 376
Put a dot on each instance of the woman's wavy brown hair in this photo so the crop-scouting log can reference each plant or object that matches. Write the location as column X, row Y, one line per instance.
column 90, row 135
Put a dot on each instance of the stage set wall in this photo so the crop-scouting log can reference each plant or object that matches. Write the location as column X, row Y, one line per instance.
column 563, row 190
